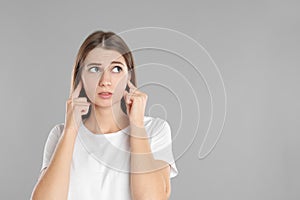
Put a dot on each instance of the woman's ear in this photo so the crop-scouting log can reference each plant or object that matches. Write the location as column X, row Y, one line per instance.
column 128, row 79
column 129, row 74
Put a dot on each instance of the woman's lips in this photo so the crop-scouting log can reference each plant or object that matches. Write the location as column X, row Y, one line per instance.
column 105, row 95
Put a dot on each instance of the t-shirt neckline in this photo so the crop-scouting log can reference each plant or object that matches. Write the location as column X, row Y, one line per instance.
column 124, row 130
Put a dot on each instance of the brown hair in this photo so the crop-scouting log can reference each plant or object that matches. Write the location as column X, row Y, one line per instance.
column 106, row 40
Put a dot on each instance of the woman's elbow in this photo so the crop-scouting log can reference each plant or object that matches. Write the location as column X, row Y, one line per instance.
column 153, row 196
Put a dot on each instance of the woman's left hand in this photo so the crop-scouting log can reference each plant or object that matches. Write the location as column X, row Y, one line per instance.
column 135, row 102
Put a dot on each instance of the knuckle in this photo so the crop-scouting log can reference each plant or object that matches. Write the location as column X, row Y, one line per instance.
column 83, row 98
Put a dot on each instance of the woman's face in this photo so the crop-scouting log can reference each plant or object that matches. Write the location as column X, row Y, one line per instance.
column 100, row 68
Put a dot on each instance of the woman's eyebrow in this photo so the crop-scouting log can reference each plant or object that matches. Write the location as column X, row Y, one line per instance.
column 93, row 64
column 117, row 62
column 113, row 62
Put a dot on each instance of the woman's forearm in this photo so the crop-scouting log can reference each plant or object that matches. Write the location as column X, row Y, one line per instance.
column 54, row 184
column 146, row 181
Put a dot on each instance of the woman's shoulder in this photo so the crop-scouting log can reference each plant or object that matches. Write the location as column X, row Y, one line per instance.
column 57, row 129
column 59, row 126
column 155, row 123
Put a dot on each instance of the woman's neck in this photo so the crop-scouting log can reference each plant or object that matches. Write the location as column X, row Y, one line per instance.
column 106, row 120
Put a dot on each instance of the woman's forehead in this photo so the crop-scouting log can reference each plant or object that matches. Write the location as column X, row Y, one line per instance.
column 103, row 56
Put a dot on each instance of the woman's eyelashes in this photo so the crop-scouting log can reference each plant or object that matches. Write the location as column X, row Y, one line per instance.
column 91, row 69
column 96, row 69
column 120, row 68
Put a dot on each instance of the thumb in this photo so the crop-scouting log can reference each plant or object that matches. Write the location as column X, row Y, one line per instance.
column 126, row 101
column 125, row 97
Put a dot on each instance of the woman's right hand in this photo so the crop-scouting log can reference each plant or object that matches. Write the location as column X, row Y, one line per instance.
column 75, row 108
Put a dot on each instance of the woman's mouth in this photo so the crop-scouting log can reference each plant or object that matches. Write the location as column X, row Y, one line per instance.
column 105, row 95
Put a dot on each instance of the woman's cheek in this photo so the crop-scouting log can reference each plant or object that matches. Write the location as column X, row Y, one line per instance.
column 122, row 84
column 119, row 88
column 90, row 88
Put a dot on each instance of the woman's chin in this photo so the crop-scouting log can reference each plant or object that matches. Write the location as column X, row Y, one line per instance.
column 105, row 103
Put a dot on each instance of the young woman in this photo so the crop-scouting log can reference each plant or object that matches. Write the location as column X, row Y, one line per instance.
column 106, row 148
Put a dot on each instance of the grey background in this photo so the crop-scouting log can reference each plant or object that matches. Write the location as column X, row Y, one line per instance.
column 254, row 43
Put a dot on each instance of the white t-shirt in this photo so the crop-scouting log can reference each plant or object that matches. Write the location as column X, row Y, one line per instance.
column 100, row 167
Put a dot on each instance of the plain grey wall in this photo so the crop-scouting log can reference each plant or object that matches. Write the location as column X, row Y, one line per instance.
column 255, row 45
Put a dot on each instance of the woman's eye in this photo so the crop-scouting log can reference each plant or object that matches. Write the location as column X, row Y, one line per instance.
column 94, row 69
column 119, row 69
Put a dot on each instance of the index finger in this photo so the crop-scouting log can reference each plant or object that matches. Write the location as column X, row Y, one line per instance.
column 76, row 92
column 130, row 84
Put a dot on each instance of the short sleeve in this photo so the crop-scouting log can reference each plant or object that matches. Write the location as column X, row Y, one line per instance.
column 50, row 144
column 161, row 145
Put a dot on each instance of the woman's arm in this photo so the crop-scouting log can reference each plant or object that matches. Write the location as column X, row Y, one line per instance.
column 149, row 178
column 54, row 182
column 149, row 181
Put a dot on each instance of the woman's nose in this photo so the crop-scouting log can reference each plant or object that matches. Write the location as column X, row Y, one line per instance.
column 105, row 78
